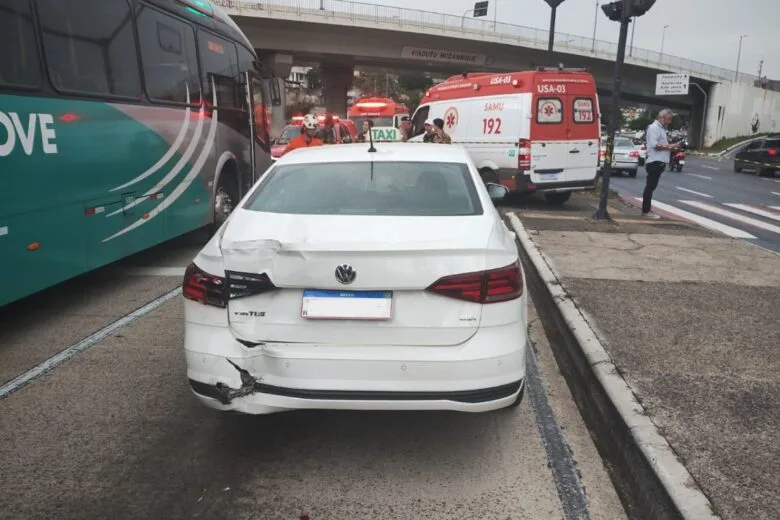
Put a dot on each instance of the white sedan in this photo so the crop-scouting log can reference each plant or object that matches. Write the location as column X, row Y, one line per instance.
column 350, row 279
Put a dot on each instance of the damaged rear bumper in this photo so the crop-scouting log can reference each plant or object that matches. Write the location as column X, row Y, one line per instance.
column 485, row 373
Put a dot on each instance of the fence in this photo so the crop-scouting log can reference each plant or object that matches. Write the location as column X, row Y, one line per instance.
column 349, row 11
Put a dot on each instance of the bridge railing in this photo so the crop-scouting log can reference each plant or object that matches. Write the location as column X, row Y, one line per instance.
column 348, row 10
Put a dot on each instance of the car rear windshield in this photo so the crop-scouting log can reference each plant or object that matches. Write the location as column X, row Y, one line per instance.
column 366, row 188
column 622, row 142
column 772, row 143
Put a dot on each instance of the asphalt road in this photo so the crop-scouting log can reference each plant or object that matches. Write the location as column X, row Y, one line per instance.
column 710, row 193
column 114, row 432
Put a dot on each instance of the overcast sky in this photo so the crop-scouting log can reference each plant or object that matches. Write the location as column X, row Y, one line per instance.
column 700, row 30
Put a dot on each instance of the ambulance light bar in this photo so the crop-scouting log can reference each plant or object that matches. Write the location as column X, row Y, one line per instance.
column 371, row 104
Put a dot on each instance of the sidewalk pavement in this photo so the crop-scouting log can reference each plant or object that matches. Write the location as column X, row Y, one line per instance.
column 690, row 320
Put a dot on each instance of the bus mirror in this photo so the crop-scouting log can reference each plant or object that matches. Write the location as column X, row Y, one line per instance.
column 276, row 95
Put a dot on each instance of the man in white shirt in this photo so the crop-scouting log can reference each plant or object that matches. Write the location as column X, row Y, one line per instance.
column 658, row 152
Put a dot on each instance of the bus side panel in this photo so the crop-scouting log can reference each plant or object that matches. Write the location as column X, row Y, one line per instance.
column 41, row 248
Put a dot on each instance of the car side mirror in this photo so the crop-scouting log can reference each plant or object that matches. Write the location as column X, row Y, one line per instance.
column 497, row 192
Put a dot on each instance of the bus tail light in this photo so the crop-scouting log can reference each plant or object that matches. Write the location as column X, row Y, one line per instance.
column 524, row 155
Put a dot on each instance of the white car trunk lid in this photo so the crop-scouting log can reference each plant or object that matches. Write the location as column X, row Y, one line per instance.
column 402, row 255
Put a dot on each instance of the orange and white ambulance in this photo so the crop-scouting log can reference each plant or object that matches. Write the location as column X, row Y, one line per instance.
column 531, row 131
column 385, row 113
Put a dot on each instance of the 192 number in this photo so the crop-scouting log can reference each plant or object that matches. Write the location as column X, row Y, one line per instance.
column 491, row 125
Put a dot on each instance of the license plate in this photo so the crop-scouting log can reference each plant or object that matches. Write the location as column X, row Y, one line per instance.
column 682, row 162
column 347, row 305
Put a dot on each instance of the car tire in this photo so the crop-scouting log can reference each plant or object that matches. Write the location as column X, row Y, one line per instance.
column 557, row 198
column 632, row 173
column 488, row 175
column 761, row 172
column 737, row 169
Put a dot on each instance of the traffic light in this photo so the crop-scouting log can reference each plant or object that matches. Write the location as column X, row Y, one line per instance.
column 614, row 10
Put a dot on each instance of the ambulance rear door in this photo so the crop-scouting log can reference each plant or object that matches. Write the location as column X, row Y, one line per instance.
column 582, row 132
column 549, row 131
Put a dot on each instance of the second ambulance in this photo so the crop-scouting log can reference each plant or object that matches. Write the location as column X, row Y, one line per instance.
column 531, row 131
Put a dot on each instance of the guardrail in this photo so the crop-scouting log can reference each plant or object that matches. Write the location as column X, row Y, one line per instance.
column 348, row 10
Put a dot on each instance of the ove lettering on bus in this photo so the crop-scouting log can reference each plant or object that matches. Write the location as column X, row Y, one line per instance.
column 14, row 129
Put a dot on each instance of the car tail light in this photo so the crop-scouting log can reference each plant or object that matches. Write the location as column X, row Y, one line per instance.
column 203, row 287
column 492, row 286
column 524, row 155
column 240, row 285
column 602, row 154
column 773, row 152
column 633, row 153
column 644, row 148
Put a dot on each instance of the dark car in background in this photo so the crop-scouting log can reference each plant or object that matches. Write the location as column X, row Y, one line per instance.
column 761, row 156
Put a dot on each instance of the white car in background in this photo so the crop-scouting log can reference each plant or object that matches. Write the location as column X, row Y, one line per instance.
column 350, row 279
column 625, row 156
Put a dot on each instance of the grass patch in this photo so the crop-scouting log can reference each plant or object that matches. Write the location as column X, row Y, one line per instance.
column 725, row 143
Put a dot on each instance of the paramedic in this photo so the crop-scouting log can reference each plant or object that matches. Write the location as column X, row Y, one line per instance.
column 306, row 139
column 368, row 124
column 441, row 136
column 658, row 150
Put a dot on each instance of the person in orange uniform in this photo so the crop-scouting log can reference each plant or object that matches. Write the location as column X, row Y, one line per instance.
column 306, row 139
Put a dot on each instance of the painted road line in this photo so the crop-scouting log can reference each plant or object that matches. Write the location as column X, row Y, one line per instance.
column 156, row 271
column 734, row 216
column 708, row 166
column 700, row 176
column 775, row 207
column 559, row 457
column 84, row 344
column 702, row 221
column 775, row 193
column 757, row 211
column 695, row 192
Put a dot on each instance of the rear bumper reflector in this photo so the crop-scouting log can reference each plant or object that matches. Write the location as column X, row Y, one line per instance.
column 463, row 396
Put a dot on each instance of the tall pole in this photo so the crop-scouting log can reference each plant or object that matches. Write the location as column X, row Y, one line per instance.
column 595, row 22
column 495, row 15
column 739, row 55
column 552, row 33
column 663, row 39
column 633, row 30
column 617, row 83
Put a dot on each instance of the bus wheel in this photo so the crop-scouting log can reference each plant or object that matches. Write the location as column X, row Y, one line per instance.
column 225, row 198
column 557, row 197
column 488, row 175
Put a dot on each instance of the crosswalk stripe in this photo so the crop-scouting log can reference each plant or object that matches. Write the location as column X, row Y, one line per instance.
column 775, row 207
column 775, row 193
column 702, row 221
column 694, row 192
column 758, row 211
column 732, row 215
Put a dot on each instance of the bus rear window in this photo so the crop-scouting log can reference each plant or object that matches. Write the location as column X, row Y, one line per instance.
column 19, row 65
column 549, row 111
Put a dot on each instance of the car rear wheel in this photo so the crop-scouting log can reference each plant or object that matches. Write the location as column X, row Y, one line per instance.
column 632, row 173
column 737, row 169
column 557, row 198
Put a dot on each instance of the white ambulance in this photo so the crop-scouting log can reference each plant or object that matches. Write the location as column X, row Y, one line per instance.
column 531, row 131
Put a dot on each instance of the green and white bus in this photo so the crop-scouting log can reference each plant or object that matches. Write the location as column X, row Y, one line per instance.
column 123, row 123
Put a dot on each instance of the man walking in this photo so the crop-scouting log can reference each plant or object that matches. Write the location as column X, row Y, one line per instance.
column 658, row 151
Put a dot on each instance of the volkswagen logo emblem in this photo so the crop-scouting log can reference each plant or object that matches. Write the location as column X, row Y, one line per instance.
column 345, row 274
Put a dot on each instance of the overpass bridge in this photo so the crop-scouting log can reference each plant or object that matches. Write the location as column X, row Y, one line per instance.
column 341, row 34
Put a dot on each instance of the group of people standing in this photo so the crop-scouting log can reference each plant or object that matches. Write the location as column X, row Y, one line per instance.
column 434, row 131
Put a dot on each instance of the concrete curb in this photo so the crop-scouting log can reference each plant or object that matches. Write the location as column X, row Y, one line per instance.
column 647, row 473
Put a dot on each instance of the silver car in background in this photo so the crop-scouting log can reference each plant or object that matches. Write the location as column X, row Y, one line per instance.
column 625, row 156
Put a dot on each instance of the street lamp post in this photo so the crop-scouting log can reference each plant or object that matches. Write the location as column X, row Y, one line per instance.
column 595, row 22
column 663, row 39
column 739, row 55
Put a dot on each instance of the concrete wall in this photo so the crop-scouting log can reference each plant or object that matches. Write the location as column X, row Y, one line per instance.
column 734, row 107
